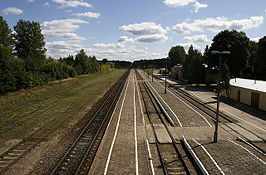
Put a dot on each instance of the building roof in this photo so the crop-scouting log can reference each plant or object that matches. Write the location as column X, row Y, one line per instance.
column 249, row 84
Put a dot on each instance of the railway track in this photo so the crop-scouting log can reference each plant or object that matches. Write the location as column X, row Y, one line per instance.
column 17, row 151
column 79, row 156
column 31, row 114
column 211, row 111
column 170, row 155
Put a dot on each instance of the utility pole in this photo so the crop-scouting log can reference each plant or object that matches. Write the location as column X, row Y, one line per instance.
column 219, row 93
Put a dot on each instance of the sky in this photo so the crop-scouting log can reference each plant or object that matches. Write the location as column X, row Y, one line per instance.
column 134, row 29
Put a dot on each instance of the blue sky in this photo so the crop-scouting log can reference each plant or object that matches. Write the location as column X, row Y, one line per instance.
column 134, row 29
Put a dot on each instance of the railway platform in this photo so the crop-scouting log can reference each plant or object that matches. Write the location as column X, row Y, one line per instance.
column 123, row 149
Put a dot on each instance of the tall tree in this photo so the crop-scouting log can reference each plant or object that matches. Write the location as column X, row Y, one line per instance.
column 260, row 63
column 29, row 44
column 81, row 62
column 193, row 69
column 177, row 55
column 235, row 42
column 5, row 34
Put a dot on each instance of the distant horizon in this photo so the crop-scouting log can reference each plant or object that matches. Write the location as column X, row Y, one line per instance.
column 134, row 30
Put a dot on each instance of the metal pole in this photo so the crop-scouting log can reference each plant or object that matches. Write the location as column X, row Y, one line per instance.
column 165, row 76
column 60, row 75
column 152, row 73
column 218, row 101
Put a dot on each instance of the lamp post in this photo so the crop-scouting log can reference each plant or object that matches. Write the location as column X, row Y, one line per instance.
column 152, row 73
column 219, row 91
column 165, row 76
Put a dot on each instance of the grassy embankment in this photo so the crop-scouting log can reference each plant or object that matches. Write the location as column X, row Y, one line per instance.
column 51, row 106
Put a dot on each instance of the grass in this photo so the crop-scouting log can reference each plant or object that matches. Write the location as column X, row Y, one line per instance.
column 51, row 106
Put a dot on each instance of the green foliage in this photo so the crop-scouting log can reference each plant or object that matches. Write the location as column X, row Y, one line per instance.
column 5, row 34
column 12, row 71
column 235, row 42
column 193, row 69
column 177, row 55
column 29, row 44
column 225, row 78
column 68, row 60
column 260, row 63
column 107, row 66
column 84, row 64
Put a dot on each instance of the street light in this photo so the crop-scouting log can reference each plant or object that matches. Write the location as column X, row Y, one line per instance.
column 152, row 73
column 214, row 52
column 165, row 75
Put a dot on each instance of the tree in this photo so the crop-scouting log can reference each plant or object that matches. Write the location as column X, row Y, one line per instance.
column 81, row 63
column 235, row 42
column 225, row 78
column 69, row 60
column 29, row 44
column 193, row 69
column 5, row 34
column 177, row 55
column 260, row 63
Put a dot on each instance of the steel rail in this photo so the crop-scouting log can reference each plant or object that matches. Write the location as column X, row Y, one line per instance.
column 154, row 132
column 85, row 128
column 171, row 136
column 96, row 135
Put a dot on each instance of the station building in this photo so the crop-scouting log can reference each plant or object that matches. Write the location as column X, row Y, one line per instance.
column 250, row 92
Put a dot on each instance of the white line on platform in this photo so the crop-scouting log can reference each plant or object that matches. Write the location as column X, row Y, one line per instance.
column 140, row 104
column 150, row 158
column 135, row 128
column 188, row 106
column 116, row 129
column 248, row 151
column 204, row 149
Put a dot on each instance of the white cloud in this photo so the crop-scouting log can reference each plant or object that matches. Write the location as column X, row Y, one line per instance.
column 104, row 45
column 177, row 3
column 62, row 48
column 256, row 39
column 47, row 4
column 198, row 5
column 146, row 32
column 63, row 28
column 151, row 38
column 145, row 28
column 31, row 1
column 72, row 3
column 217, row 24
column 87, row 14
column 197, row 38
column 125, row 39
column 12, row 10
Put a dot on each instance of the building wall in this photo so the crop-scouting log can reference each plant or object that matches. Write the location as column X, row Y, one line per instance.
column 262, row 101
column 245, row 96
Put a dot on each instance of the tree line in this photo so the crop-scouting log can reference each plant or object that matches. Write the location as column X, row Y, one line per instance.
column 23, row 63
column 247, row 59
